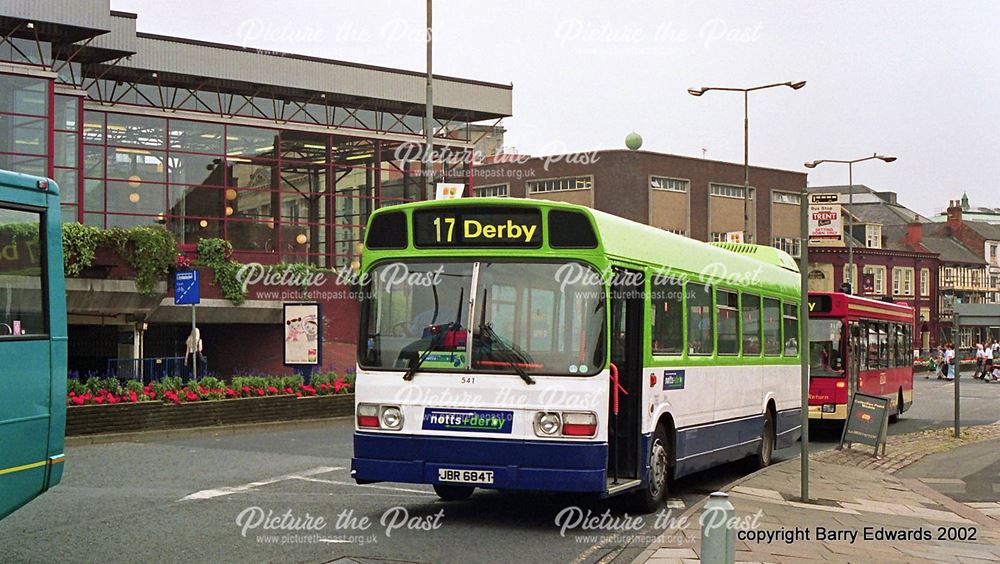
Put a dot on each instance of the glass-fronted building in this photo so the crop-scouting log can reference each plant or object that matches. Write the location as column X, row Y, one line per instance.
column 284, row 156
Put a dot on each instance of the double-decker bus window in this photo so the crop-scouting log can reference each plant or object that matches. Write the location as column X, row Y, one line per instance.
column 825, row 347
column 727, row 312
column 750, row 306
column 791, row 328
column 874, row 346
column 883, row 345
column 772, row 327
column 22, row 303
column 892, row 346
column 701, row 335
column 667, row 317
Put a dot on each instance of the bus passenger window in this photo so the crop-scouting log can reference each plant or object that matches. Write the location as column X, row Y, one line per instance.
column 22, row 303
column 791, row 325
column 772, row 327
column 699, row 308
column 751, row 325
column 667, row 318
column 727, row 305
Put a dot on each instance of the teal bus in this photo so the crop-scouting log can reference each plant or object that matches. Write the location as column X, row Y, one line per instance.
column 32, row 339
column 516, row 344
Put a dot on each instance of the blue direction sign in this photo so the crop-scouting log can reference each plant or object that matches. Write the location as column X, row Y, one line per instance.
column 187, row 291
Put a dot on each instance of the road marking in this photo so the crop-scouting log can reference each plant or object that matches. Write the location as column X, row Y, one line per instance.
column 336, row 483
column 229, row 490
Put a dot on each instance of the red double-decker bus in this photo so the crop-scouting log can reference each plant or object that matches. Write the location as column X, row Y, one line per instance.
column 858, row 345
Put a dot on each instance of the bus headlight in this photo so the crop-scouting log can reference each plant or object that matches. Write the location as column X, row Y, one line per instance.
column 392, row 417
column 547, row 424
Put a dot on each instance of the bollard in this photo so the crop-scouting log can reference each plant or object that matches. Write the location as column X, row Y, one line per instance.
column 718, row 536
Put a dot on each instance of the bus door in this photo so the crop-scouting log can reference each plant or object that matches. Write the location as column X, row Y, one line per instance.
column 857, row 352
column 624, row 413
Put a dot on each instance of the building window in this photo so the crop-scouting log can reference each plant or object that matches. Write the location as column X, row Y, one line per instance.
column 717, row 237
column 786, row 198
column 925, row 282
column 788, row 244
column 24, row 124
column 877, row 274
column 668, row 184
column 902, row 281
column 728, row 190
column 492, row 191
column 677, row 231
column 873, row 236
column 560, row 184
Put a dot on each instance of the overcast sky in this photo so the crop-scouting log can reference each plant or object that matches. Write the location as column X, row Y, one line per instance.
column 915, row 79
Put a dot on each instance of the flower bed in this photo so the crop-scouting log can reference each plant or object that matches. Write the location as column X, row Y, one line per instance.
column 104, row 406
column 110, row 391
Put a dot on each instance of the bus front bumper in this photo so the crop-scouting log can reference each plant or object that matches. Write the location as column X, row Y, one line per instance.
column 839, row 412
column 515, row 464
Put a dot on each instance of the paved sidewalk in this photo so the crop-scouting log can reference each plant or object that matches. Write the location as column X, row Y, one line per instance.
column 859, row 513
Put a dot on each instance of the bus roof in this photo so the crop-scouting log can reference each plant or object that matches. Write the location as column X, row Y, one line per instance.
column 838, row 304
column 10, row 179
column 630, row 241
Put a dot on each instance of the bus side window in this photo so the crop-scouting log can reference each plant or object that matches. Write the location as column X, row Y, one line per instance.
column 701, row 333
column 791, row 328
column 728, row 320
column 750, row 306
column 667, row 318
column 772, row 327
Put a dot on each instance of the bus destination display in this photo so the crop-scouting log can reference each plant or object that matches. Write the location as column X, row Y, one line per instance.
column 478, row 227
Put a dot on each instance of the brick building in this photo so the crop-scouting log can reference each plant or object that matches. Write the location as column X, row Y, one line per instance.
column 700, row 198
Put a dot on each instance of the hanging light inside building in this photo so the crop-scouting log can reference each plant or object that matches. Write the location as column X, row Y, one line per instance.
column 134, row 197
column 230, row 194
column 203, row 223
column 229, row 210
column 134, row 180
column 301, row 238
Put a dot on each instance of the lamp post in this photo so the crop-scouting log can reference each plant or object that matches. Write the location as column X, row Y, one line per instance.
column 746, row 137
column 429, row 111
column 850, row 201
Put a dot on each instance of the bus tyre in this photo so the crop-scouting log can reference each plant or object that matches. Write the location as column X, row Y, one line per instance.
column 453, row 493
column 766, row 449
column 899, row 408
column 649, row 498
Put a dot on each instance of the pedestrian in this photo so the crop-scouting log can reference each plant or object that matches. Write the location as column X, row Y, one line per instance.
column 980, row 359
column 939, row 358
column 949, row 357
column 987, row 362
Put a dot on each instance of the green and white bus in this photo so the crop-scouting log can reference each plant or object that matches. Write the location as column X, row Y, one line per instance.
column 32, row 339
column 534, row 345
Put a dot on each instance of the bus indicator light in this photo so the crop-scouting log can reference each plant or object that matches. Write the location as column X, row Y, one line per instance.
column 368, row 416
column 652, row 379
column 841, row 385
column 579, row 424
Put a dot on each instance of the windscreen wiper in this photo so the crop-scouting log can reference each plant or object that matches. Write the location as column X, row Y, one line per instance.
column 436, row 340
column 511, row 355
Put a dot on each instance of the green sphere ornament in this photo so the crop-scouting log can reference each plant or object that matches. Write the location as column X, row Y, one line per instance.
column 633, row 141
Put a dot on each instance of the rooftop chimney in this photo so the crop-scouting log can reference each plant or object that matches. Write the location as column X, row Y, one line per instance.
column 914, row 231
column 955, row 216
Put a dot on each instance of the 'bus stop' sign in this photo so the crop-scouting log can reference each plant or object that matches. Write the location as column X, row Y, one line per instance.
column 187, row 291
column 867, row 420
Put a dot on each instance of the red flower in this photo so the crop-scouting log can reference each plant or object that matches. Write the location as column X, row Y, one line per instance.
column 151, row 394
column 246, row 389
column 78, row 400
column 287, row 390
column 191, row 396
column 72, row 394
column 309, row 389
column 230, row 393
column 340, row 385
column 260, row 391
column 202, row 389
column 134, row 397
column 99, row 399
column 298, row 394
column 113, row 398
column 272, row 390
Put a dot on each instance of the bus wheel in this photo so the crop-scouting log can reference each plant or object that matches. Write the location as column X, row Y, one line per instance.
column 899, row 408
column 649, row 498
column 453, row 493
column 763, row 456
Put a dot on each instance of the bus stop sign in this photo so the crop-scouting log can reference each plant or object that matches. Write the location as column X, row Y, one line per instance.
column 187, row 290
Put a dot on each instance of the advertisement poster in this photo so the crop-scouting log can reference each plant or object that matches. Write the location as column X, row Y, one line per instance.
column 303, row 334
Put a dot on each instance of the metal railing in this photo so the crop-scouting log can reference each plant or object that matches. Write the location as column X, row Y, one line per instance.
column 153, row 369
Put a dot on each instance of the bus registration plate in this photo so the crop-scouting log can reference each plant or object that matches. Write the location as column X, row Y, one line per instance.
column 465, row 476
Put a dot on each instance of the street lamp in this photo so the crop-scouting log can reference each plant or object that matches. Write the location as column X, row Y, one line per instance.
column 850, row 201
column 746, row 137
